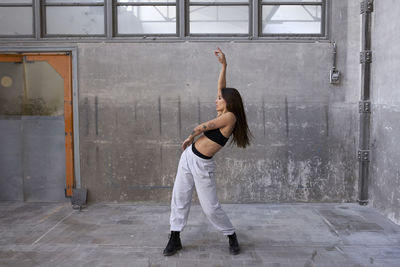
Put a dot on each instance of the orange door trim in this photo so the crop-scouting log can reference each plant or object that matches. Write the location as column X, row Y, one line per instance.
column 62, row 64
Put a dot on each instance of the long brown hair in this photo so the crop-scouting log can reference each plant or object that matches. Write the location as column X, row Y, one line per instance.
column 234, row 104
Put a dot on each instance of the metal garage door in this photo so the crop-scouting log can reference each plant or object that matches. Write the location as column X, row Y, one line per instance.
column 36, row 144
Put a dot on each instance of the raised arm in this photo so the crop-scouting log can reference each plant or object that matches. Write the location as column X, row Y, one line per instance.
column 222, row 75
column 219, row 122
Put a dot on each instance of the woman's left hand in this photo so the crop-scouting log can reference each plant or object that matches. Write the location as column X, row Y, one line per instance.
column 187, row 142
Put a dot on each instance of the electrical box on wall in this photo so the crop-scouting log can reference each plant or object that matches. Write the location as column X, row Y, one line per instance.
column 334, row 76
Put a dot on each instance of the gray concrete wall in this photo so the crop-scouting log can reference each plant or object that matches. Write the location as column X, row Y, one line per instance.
column 385, row 167
column 138, row 101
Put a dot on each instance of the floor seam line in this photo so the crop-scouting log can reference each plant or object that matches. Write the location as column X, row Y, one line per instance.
column 330, row 226
column 52, row 228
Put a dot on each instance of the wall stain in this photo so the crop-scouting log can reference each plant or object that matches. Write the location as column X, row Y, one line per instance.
column 179, row 117
column 311, row 262
column 88, row 158
column 161, row 159
column 198, row 111
column 86, row 103
column 135, row 111
column 97, row 157
column 327, row 119
column 287, row 116
column 96, row 109
column 263, row 108
column 277, row 169
column 116, row 118
column 159, row 114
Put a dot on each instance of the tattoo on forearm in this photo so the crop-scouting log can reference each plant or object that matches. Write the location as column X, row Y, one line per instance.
column 211, row 125
column 204, row 127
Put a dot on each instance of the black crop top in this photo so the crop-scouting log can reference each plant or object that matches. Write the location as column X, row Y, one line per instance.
column 216, row 136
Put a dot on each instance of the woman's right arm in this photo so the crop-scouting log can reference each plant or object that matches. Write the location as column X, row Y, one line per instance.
column 222, row 75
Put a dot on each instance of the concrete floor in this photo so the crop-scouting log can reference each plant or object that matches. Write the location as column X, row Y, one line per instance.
column 45, row 234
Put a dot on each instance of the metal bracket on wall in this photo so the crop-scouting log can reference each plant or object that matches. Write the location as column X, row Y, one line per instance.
column 24, row 60
column 334, row 75
column 366, row 56
column 364, row 107
column 366, row 6
column 362, row 202
column 363, row 155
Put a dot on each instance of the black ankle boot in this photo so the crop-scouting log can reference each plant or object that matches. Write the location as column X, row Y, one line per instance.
column 174, row 244
column 233, row 244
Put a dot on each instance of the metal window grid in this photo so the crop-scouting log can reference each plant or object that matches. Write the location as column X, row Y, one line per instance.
column 44, row 4
column 322, row 4
column 189, row 4
column 182, row 21
column 32, row 5
column 116, row 4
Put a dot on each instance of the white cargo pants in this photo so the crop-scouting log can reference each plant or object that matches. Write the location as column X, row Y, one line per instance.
column 194, row 171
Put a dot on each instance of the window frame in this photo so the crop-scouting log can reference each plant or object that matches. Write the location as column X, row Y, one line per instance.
column 115, row 5
column 322, row 4
column 43, row 20
column 182, row 21
column 32, row 5
column 189, row 4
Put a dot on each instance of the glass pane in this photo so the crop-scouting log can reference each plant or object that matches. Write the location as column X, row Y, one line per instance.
column 147, row 19
column 145, row 1
column 44, row 90
column 15, row 1
column 218, row 1
column 75, row 20
column 266, row 1
column 16, row 21
column 291, row 19
column 219, row 19
column 11, row 83
column 33, row 88
column 75, row 1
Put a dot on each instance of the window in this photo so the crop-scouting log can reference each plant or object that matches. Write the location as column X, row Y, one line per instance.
column 146, row 17
column 292, row 18
column 73, row 18
column 164, row 19
column 16, row 18
column 218, row 17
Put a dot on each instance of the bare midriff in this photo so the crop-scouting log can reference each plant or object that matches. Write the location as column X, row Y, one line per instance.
column 208, row 147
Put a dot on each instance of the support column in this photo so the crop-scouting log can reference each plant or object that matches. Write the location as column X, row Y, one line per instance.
column 365, row 103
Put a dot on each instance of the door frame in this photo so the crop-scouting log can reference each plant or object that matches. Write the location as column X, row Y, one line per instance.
column 73, row 51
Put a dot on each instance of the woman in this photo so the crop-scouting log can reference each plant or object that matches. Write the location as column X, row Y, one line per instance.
column 196, row 166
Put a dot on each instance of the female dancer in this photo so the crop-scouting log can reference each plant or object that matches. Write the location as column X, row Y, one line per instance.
column 196, row 166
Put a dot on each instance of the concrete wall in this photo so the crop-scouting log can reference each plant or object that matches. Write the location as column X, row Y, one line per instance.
column 138, row 101
column 385, row 163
